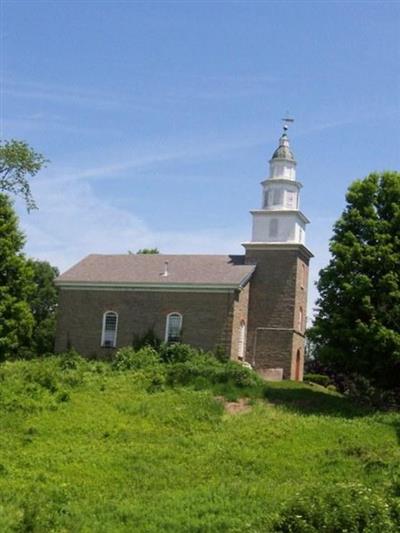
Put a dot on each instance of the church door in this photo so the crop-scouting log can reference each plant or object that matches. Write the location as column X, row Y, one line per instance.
column 297, row 368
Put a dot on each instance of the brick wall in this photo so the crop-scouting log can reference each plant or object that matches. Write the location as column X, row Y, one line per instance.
column 207, row 318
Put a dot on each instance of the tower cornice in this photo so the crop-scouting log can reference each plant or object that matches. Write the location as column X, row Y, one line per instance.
column 270, row 181
column 294, row 247
column 280, row 211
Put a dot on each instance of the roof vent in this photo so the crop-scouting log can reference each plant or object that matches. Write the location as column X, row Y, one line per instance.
column 165, row 273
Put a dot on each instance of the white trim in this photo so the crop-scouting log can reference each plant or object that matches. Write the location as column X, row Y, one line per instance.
column 253, row 245
column 242, row 340
column 281, row 211
column 103, row 329
column 283, row 181
column 167, row 324
column 176, row 287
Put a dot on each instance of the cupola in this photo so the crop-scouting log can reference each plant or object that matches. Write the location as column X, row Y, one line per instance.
column 280, row 220
column 282, row 163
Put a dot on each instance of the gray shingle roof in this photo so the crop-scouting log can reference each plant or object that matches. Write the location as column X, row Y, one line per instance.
column 149, row 269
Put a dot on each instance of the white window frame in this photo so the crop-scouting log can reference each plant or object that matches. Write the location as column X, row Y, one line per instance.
column 103, row 330
column 173, row 313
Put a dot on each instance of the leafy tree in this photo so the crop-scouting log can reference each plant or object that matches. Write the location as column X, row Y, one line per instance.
column 16, row 275
column 357, row 328
column 148, row 251
column 17, row 161
column 43, row 303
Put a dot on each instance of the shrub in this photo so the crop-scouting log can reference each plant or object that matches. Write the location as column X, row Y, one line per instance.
column 177, row 352
column 351, row 508
column 44, row 375
column 242, row 376
column 363, row 391
column 148, row 339
column 156, row 379
column 204, row 367
column 220, row 354
column 71, row 360
column 128, row 359
column 319, row 379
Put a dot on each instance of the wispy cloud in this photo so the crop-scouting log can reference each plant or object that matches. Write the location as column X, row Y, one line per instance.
column 44, row 121
column 72, row 96
column 138, row 99
column 74, row 222
column 355, row 117
column 118, row 161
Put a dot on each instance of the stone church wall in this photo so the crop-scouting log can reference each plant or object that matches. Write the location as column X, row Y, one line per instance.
column 278, row 291
column 207, row 318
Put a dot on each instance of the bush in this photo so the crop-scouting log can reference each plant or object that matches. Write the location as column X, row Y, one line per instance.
column 363, row 391
column 205, row 368
column 177, row 352
column 352, row 508
column 242, row 376
column 71, row 360
column 148, row 339
column 156, row 379
column 319, row 379
column 45, row 376
column 129, row 359
column 220, row 354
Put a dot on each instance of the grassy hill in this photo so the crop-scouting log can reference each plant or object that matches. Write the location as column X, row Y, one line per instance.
column 87, row 448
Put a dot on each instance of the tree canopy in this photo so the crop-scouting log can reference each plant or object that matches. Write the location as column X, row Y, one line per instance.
column 16, row 284
column 357, row 327
column 43, row 303
column 18, row 161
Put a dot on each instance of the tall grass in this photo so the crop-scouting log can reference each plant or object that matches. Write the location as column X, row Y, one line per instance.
column 89, row 446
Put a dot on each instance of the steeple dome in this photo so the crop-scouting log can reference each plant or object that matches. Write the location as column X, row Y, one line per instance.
column 283, row 152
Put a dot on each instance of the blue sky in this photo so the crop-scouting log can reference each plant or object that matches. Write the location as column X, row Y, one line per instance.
column 159, row 117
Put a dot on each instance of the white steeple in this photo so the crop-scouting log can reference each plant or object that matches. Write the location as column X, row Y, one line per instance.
column 280, row 220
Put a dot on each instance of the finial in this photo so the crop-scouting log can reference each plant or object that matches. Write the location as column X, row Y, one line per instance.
column 286, row 121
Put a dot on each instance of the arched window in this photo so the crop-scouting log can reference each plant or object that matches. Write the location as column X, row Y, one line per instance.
column 109, row 330
column 300, row 324
column 173, row 327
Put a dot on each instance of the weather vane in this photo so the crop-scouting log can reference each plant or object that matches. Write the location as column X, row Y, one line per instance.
column 286, row 121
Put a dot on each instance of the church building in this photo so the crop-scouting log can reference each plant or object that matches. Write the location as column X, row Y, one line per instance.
column 252, row 305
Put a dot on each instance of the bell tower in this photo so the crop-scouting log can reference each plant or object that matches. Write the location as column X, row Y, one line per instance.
column 280, row 218
column 278, row 288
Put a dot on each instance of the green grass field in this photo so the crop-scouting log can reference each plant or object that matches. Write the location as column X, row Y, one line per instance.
column 91, row 449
